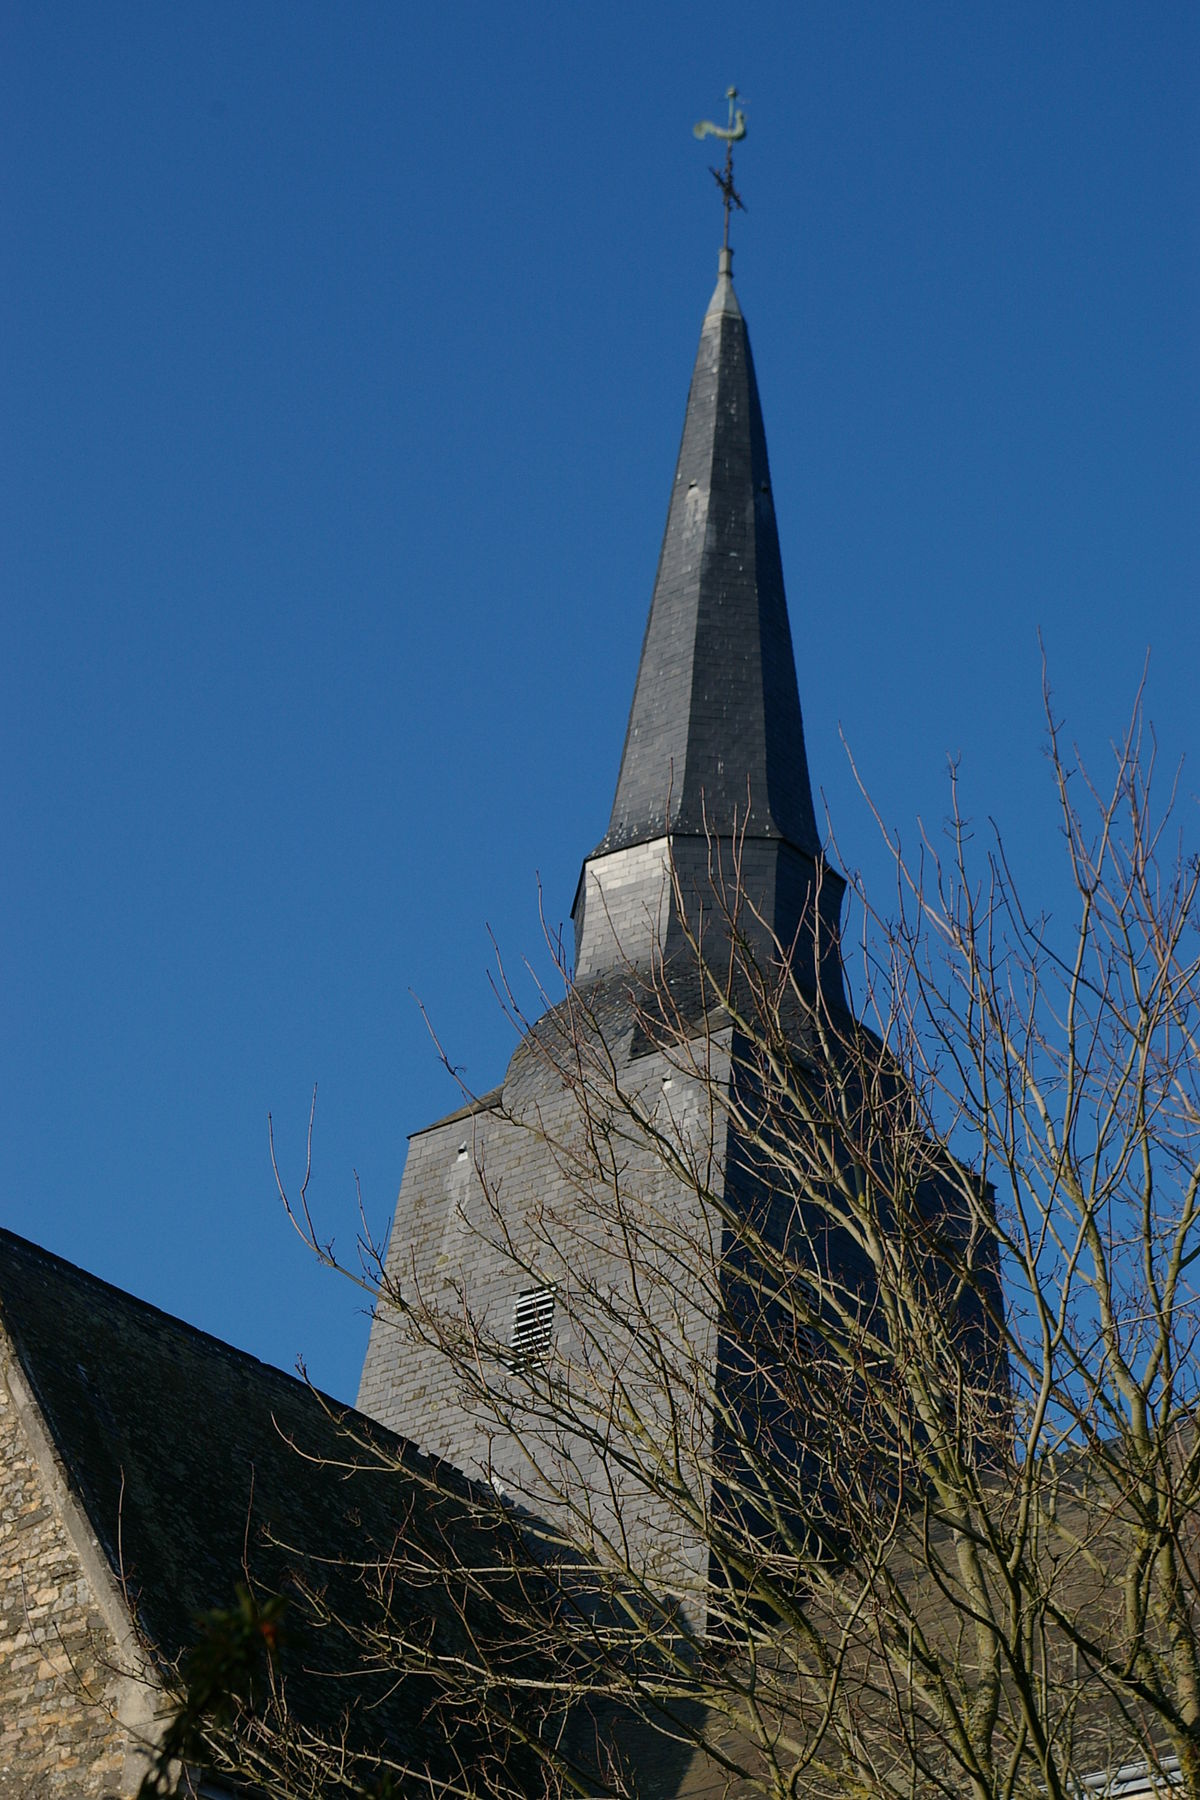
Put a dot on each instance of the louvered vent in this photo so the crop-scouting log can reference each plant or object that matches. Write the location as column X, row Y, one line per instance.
column 533, row 1324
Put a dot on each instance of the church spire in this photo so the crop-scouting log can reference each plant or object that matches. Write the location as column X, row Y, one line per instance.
column 714, row 776
column 715, row 734
column 715, row 743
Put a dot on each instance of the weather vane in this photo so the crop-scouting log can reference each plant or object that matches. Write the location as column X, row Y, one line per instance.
column 730, row 135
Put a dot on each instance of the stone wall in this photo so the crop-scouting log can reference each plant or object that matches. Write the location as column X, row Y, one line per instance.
column 60, row 1681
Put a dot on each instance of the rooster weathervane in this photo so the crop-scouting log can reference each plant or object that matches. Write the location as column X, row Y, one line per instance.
column 729, row 135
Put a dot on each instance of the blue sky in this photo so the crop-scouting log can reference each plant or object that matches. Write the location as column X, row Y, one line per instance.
column 344, row 357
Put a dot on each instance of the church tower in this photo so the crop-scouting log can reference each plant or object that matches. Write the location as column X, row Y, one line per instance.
column 511, row 1242
column 576, row 1304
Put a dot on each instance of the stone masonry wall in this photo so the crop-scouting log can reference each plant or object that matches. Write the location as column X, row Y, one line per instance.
column 58, row 1686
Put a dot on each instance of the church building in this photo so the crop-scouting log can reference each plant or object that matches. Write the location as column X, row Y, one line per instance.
column 572, row 1309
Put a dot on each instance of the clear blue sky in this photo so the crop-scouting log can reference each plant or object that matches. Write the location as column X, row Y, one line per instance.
column 345, row 351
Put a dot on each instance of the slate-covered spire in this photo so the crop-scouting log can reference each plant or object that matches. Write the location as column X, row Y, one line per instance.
column 716, row 712
column 715, row 745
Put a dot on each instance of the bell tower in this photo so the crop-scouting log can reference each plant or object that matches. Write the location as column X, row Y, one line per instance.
column 511, row 1243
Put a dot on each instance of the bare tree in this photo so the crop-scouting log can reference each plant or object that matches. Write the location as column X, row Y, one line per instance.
column 891, row 1386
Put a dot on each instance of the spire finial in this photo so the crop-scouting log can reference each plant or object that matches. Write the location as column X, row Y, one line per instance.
column 730, row 135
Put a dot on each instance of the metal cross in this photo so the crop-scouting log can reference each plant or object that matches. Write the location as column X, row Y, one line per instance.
column 730, row 135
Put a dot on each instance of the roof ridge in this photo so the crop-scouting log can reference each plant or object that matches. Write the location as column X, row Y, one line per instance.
column 38, row 1253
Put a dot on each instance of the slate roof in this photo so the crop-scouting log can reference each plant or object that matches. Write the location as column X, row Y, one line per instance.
column 196, row 1463
column 716, row 703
